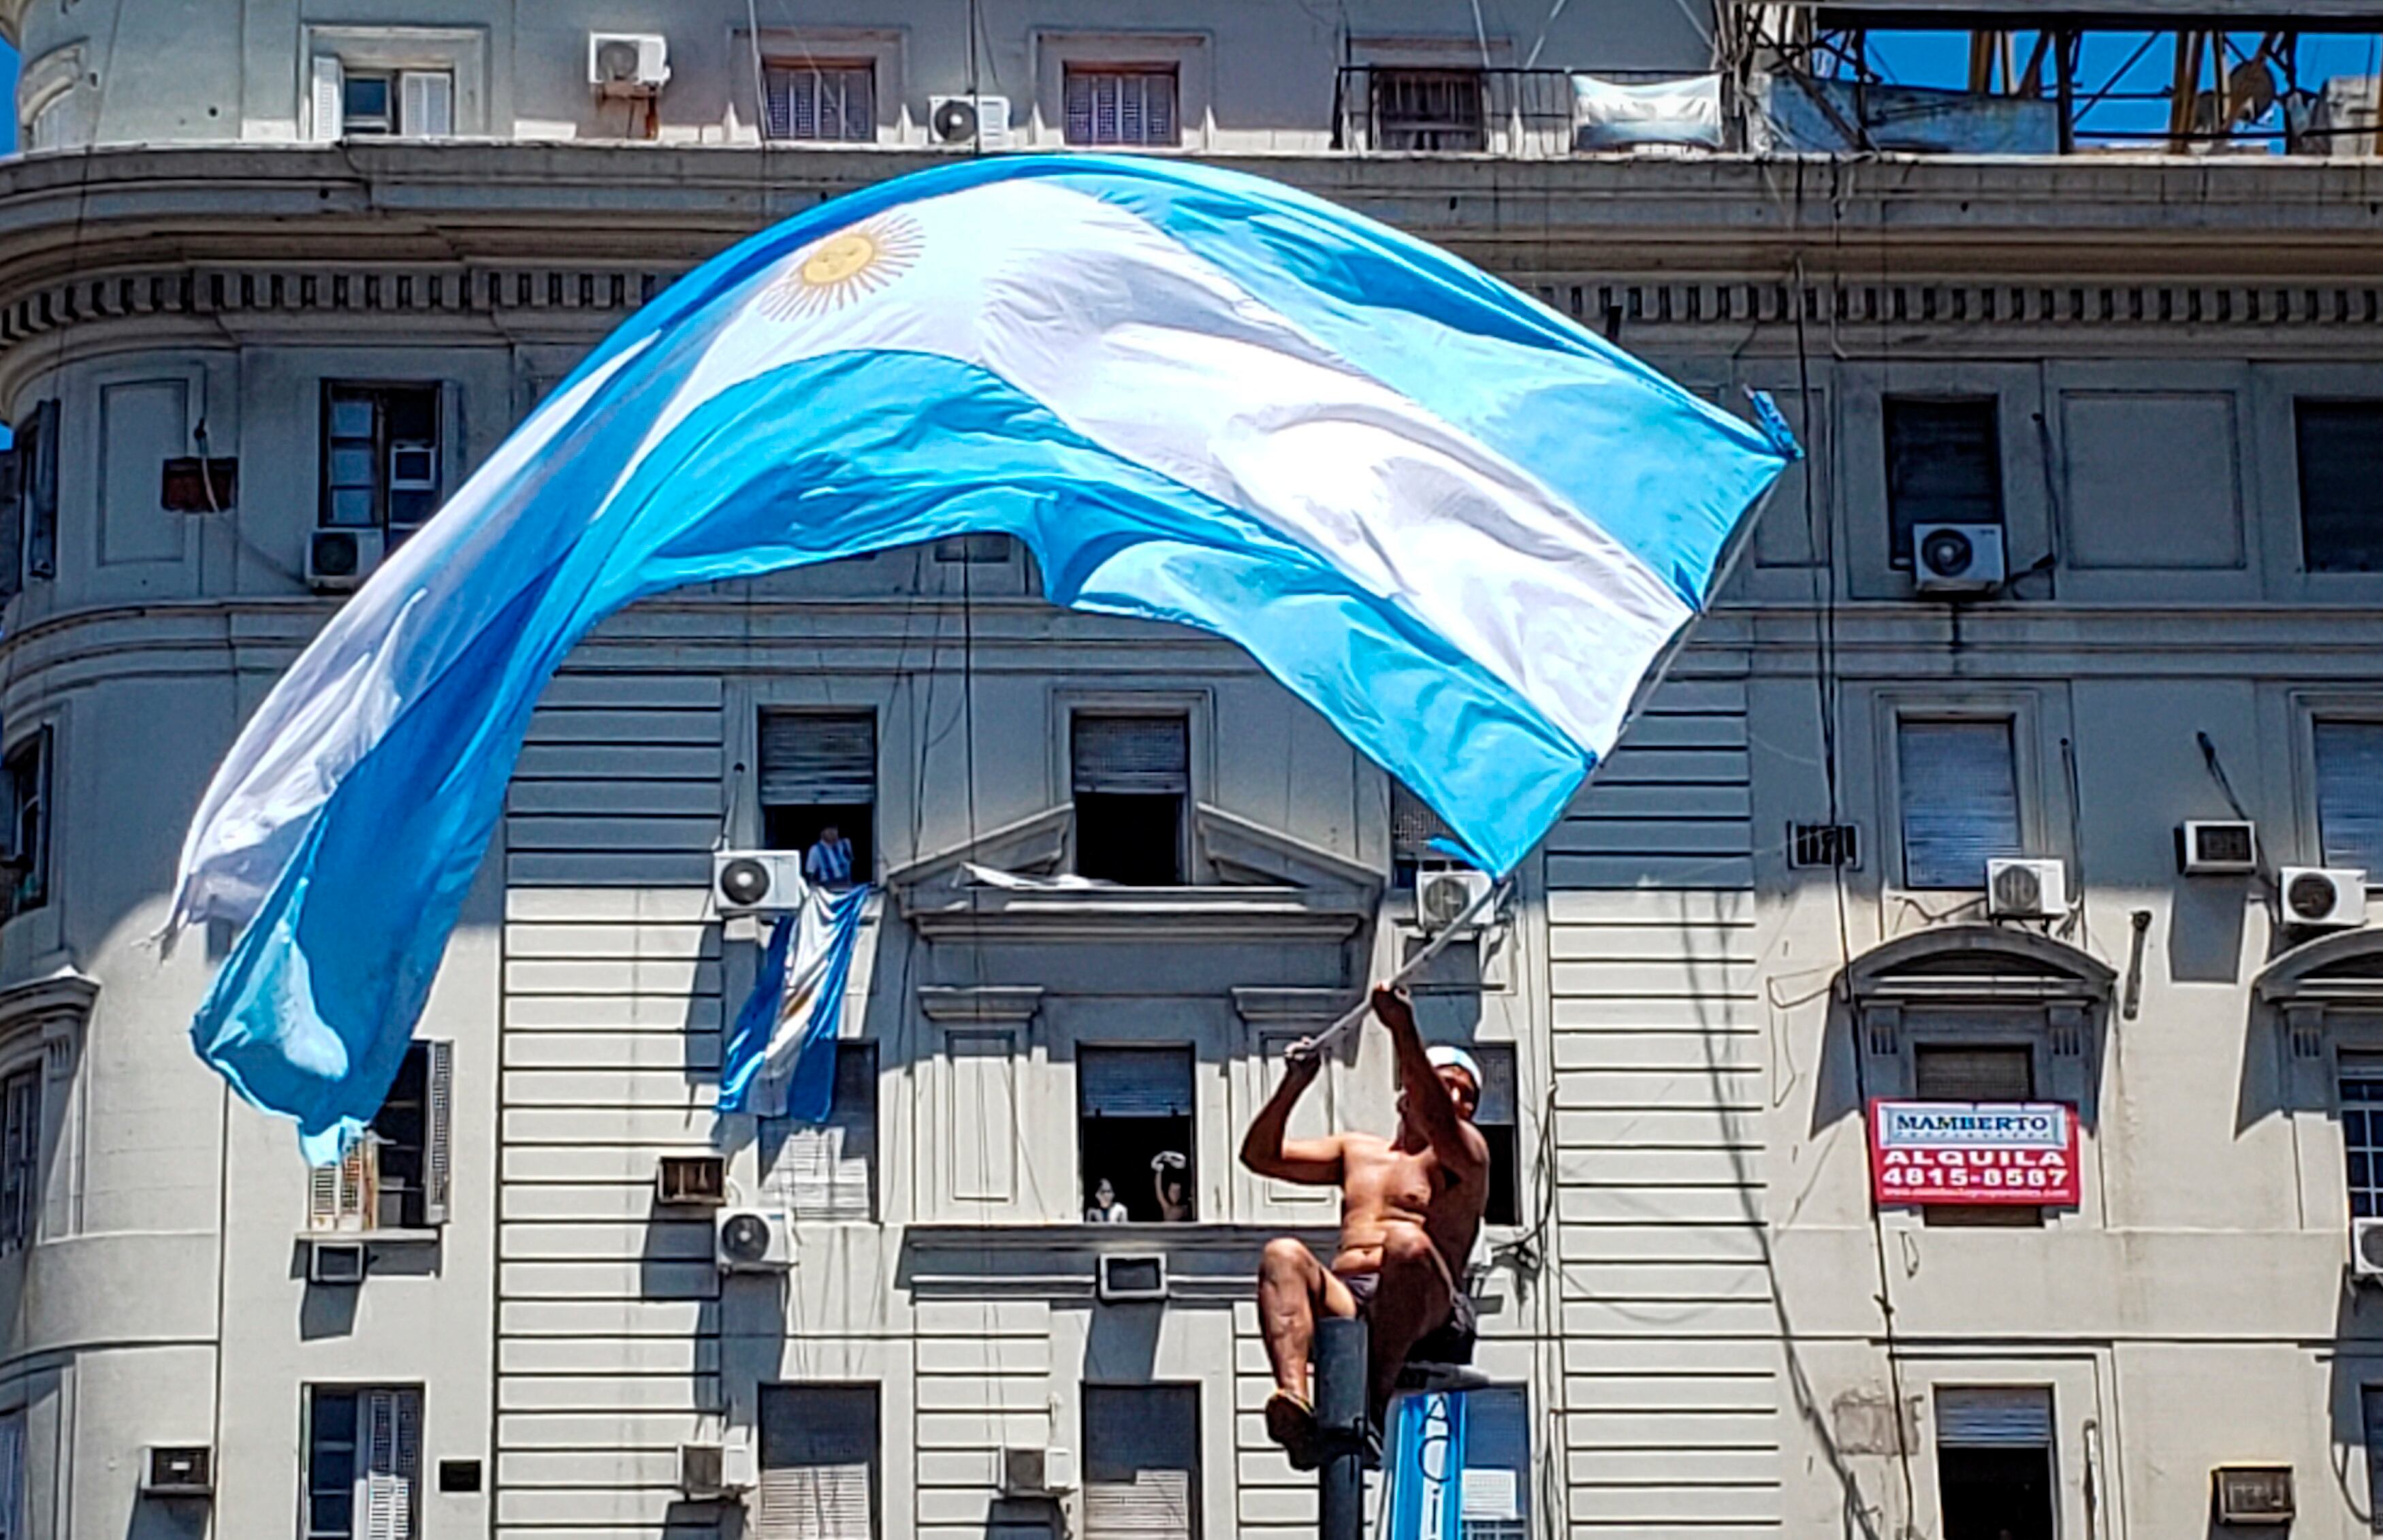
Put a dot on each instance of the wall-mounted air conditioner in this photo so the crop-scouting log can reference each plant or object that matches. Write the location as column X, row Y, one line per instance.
column 1037, row 1471
column 2366, row 1250
column 1957, row 558
column 1442, row 898
column 752, row 1241
column 2250, row 1494
column 178, row 1471
column 707, row 1473
column 334, row 1264
column 693, row 1181
column 2027, row 887
column 628, row 64
column 977, row 120
column 756, row 882
column 1128, row 1276
column 340, row 560
column 2214, row 847
column 2323, row 898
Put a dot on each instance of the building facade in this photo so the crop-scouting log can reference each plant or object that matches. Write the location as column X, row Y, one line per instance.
column 274, row 278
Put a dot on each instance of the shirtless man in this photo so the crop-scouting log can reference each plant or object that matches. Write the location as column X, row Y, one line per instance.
column 1410, row 1209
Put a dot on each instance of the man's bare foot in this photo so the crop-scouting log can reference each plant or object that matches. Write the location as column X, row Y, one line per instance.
column 1291, row 1423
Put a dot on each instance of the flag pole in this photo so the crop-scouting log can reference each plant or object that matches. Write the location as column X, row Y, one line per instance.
column 1341, row 1419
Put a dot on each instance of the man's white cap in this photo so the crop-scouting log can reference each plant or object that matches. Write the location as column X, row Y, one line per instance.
column 1442, row 1054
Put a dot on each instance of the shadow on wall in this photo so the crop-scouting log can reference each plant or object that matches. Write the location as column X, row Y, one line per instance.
column 2358, row 1376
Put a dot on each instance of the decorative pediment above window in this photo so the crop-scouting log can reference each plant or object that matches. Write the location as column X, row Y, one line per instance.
column 2345, row 968
column 1972, row 966
column 53, row 1010
column 1263, row 885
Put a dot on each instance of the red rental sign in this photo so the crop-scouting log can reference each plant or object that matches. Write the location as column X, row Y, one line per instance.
column 1973, row 1152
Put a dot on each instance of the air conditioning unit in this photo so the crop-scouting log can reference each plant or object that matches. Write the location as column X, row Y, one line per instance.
column 2366, row 1250
column 2026, row 887
column 2250, row 1494
column 2329, row 898
column 970, row 120
column 756, row 882
column 1037, row 1472
column 413, row 467
column 707, row 1473
column 178, row 1471
column 340, row 560
column 691, row 1180
column 1127, row 1276
column 628, row 64
column 1443, row 897
column 1957, row 558
column 336, row 1263
column 2212, row 847
column 752, row 1241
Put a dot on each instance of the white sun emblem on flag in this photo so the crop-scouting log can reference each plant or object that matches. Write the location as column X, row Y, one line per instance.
column 846, row 267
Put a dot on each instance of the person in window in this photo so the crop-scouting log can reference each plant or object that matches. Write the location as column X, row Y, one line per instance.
column 1105, row 1209
column 1411, row 1209
column 1170, row 1176
column 828, row 860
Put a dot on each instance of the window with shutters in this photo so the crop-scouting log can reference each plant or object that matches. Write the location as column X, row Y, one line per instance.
column 372, row 103
column 828, row 1171
column 1414, row 826
column 2339, row 447
column 26, row 775
column 1114, row 104
column 819, row 789
column 1967, row 1072
column 1944, row 465
column 1141, row 1463
column 29, row 545
column 2360, row 1088
column 2350, row 796
column 399, row 1175
column 381, row 461
column 1135, row 1127
column 1994, row 1463
column 1495, row 1497
column 819, row 1463
column 363, row 1463
column 20, row 1157
column 821, row 100
column 1958, row 785
column 1428, row 109
column 1132, row 779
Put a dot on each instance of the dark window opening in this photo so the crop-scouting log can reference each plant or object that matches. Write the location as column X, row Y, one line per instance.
column 1945, row 1072
column 1135, row 1129
column 29, row 540
column 1498, row 1118
column 833, row 103
column 819, row 773
column 1132, row 780
column 1141, row 1463
column 2340, row 448
column 819, row 1461
column 401, row 1129
column 1994, row 1463
column 363, row 1464
column 20, row 1158
column 1944, row 465
column 1428, row 109
column 381, row 461
column 2361, row 1092
column 25, row 776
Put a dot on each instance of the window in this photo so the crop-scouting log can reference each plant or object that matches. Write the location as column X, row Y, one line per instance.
column 819, row 773
column 1134, row 1123
column 25, row 778
column 363, row 1464
column 2339, row 446
column 2360, row 1088
column 1944, row 465
column 2350, row 796
column 1959, row 785
column 36, row 451
column 816, row 100
column 1428, row 109
column 974, row 551
column 1412, row 828
column 818, row 1464
column 1946, row 1072
column 830, row 1171
column 380, row 457
column 1141, row 1463
column 414, row 103
column 1497, row 1120
column 1993, row 1462
column 1494, row 1500
column 398, row 1175
column 20, row 1157
column 12, row 1476
column 1132, row 778
column 1122, row 105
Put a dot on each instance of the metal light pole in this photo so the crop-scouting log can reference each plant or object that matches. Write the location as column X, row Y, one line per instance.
column 1341, row 1423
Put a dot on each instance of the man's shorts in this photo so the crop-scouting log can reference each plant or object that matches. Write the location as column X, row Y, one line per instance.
column 1450, row 1342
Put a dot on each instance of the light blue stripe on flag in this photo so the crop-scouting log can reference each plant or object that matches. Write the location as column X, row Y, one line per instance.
column 780, row 1058
column 1426, row 1479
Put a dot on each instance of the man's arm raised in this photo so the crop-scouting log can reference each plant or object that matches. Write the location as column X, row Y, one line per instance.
column 1454, row 1140
column 1308, row 1162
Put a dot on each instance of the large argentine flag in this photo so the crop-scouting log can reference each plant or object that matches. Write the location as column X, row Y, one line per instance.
column 1457, row 524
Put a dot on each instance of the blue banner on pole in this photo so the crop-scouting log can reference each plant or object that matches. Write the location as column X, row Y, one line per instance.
column 1425, row 1495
